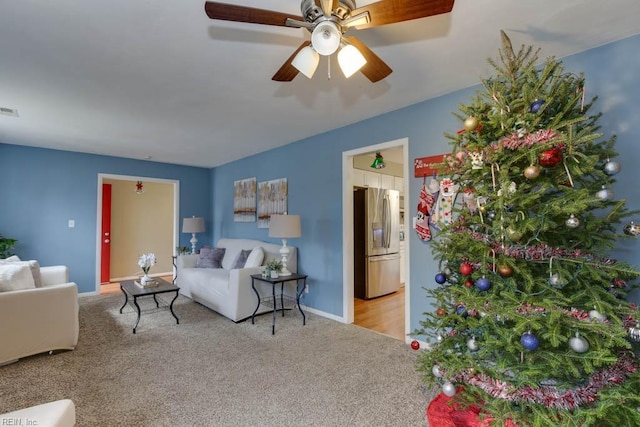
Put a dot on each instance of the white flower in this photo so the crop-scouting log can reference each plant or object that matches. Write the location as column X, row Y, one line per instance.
column 147, row 261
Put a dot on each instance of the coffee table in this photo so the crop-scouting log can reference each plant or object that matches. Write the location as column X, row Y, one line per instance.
column 130, row 289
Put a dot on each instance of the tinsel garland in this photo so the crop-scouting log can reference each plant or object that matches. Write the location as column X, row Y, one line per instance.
column 551, row 396
column 539, row 252
column 516, row 141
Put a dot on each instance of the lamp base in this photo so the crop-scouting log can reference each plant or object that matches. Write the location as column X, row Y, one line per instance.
column 284, row 251
column 193, row 243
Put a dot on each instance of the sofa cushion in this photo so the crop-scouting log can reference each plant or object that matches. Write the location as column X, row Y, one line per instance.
column 255, row 257
column 241, row 258
column 210, row 257
column 33, row 266
column 15, row 277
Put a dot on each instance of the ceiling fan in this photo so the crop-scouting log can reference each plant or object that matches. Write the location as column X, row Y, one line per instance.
column 329, row 21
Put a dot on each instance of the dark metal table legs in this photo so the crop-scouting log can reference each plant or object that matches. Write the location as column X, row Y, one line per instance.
column 253, row 316
column 171, row 308
column 135, row 302
column 298, row 295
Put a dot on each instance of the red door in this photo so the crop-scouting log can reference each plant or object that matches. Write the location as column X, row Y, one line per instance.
column 105, row 258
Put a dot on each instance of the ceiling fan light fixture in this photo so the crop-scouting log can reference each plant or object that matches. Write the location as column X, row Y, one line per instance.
column 326, row 38
column 306, row 61
column 350, row 60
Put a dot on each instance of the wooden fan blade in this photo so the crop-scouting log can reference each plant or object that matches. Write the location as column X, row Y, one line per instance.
column 288, row 72
column 391, row 11
column 327, row 6
column 375, row 69
column 232, row 12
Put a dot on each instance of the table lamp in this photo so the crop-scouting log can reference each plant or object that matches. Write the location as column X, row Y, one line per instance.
column 193, row 225
column 284, row 227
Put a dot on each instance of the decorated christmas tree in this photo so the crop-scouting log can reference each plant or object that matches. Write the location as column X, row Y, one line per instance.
column 530, row 320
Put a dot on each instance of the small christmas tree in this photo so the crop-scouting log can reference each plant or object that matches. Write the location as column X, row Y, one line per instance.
column 530, row 320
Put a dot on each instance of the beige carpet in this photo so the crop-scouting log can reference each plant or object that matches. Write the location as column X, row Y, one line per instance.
column 209, row 371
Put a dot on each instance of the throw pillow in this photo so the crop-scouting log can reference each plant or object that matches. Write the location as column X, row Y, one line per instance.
column 255, row 257
column 33, row 265
column 241, row 259
column 15, row 277
column 210, row 257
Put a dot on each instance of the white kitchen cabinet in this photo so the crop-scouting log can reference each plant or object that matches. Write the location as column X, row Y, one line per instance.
column 358, row 177
column 371, row 179
column 387, row 182
column 398, row 184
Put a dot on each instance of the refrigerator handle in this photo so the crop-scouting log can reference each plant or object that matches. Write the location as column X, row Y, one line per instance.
column 386, row 214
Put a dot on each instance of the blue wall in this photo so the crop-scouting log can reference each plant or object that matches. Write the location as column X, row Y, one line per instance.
column 45, row 188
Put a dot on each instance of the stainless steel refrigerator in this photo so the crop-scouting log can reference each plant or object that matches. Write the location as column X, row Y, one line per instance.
column 376, row 232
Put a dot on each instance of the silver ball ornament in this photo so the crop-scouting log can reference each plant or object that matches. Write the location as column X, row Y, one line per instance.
column 612, row 168
column 436, row 371
column 449, row 389
column 472, row 344
column 605, row 194
column 632, row 229
column 596, row 315
column 572, row 221
column 579, row 344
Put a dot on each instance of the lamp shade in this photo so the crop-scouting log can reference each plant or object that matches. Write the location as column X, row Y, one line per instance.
column 306, row 61
column 193, row 225
column 350, row 60
column 326, row 37
column 284, row 226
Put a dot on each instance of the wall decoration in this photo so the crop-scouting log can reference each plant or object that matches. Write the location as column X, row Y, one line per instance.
column 244, row 200
column 272, row 200
column 424, row 166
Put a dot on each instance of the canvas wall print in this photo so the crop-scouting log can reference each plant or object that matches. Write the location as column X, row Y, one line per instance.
column 244, row 200
column 272, row 199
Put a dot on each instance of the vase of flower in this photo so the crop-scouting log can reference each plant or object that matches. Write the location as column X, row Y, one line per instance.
column 145, row 262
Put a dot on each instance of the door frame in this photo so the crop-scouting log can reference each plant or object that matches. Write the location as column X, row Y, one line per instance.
column 347, row 228
column 176, row 212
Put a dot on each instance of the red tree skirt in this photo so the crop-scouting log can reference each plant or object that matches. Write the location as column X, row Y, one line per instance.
column 441, row 414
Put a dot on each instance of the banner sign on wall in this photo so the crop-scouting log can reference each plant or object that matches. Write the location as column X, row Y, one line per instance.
column 425, row 166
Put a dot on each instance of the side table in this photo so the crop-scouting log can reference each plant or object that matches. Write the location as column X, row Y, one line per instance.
column 300, row 279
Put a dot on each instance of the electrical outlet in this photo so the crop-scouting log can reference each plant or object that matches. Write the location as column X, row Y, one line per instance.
column 306, row 289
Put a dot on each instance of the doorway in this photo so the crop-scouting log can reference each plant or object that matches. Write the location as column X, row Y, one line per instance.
column 162, row 193
column 388, row 314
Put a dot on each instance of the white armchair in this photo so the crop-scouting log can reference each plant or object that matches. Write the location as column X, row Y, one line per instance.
column 41, row 319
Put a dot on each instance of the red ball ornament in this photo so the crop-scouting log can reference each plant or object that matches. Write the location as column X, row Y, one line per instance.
column 415, row 345
column 441, row 312
column 550, row 157
column 466, row 269
column 469, row 283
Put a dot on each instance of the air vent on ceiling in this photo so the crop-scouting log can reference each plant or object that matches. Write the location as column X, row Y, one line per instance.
column 9, row 111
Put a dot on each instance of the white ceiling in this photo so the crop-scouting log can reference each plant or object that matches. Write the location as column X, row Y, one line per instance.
column 159, row 79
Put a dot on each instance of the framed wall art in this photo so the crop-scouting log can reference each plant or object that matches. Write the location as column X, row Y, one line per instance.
column 244, row 200
column 272, row 199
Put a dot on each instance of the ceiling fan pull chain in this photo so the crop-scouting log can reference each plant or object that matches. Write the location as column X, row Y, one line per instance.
column 329, row 67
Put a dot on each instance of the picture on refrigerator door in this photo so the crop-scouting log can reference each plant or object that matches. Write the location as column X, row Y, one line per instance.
column 376, row 232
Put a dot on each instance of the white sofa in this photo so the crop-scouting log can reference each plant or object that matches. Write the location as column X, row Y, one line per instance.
column 59, row 413
column 228, row 291
column 39, row 319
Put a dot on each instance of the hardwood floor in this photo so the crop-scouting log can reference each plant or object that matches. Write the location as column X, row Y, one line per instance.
column 384, row 314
